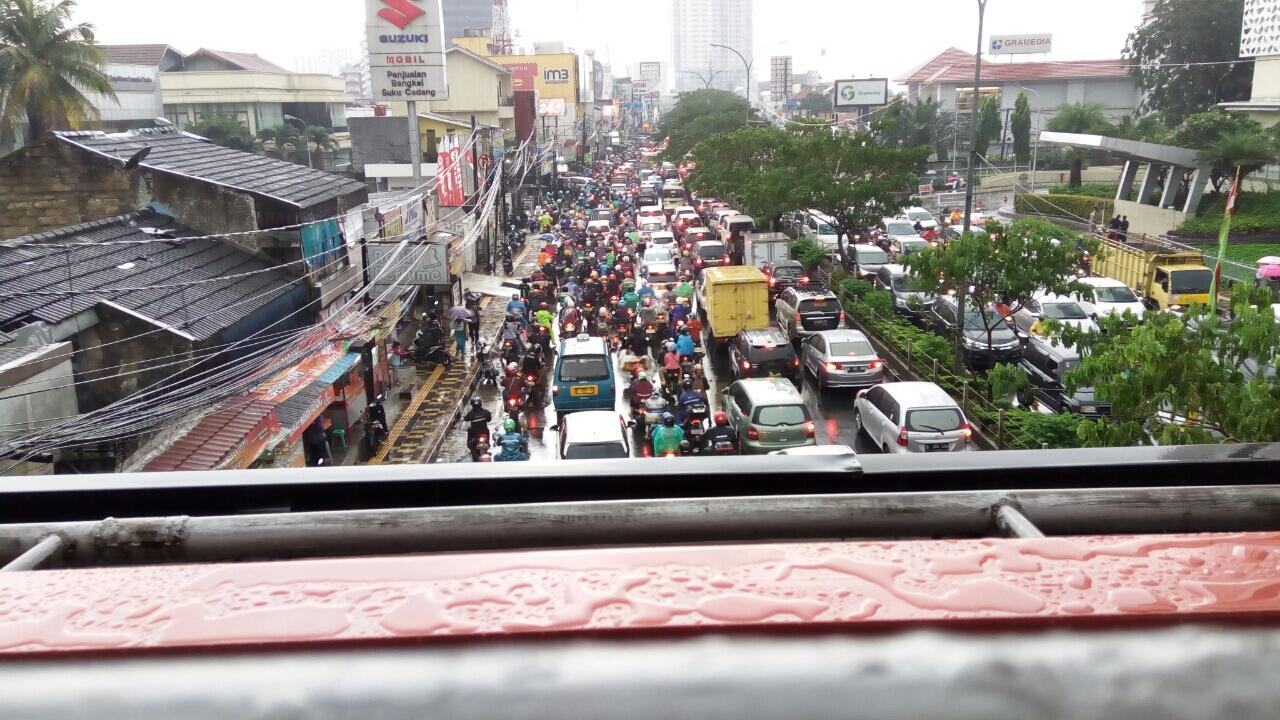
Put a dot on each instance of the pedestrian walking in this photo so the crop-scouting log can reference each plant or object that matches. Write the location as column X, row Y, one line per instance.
column 460, row 336
column 473, row 325
column 1124, row 228
column 1095, row 217
column 395, row 360
column 1113, row 228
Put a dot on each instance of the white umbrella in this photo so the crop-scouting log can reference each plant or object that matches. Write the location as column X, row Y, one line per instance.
column 1269, row 260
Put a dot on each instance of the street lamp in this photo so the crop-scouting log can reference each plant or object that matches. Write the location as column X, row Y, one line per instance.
column 1035, row 148
column 747, row 91
column 973, row 130
column 705, row 80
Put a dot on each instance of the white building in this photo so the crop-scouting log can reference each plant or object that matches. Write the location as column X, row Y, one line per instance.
column 695, row 25
column 134, row 73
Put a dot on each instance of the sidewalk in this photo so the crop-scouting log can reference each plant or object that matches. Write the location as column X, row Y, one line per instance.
column 417, row 436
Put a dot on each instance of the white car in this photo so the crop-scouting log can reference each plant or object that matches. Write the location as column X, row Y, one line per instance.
column 1067, row 311
column 915, row 215
column 598, row 227
column 663, row 237
column 896, row 231
column 594, row 435
column 912, row 417
column 1106, row 296
column 660, row 273
column 657, row 254
column 685, row 212
column 652, row 212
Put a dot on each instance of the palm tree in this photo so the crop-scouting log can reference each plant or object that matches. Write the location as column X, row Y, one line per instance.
column 320, row 137
column 46, row 65
column 1238, row 151
column 1079, row 117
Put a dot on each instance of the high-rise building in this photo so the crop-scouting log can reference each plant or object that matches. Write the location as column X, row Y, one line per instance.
column 695, row 25
column 463, row 15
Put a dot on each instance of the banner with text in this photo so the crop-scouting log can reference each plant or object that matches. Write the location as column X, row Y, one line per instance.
column 406, row 50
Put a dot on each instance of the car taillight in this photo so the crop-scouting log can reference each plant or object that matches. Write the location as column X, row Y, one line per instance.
column 798, row 317
column 796, row 362
column 876, row 364
column 726, row 259
column 753, row 433
column 834, row 367
column 555, row 389
column 746, row 365
column 804, row 280
column 698, row 262
column 810, row 430
column 902, row 437
column 967, row 431
column 773, row 282
column 841, row 317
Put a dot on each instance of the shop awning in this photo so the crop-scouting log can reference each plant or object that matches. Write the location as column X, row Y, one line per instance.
column 232, row 436
column 340, row 368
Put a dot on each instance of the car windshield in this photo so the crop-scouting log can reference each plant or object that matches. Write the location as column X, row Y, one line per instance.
column 825, row 229
column 1115, row 295
column 921, row 215
column 596, row 451
column 871, row 255
column 788, row 272
column 779, row 415
column 852, row 348
column 772, row 352
column 708, row 251
column 584, row 368
column 900, row 229
column 938, row 420
column 1063, row 311
column 1192, row 281
column 981, row 321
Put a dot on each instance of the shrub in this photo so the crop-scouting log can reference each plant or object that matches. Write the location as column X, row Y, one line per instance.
column 878, row 303
column 852, row 287
column 809, row 252
column 1076, row 207
column 1033, row 429
column 1098, row 190
column 1006, row 381
column 1257, row 212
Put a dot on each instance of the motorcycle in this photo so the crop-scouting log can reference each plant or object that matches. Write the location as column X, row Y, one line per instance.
column 478, row 444
column 720, row 448
column 435, row 355
column 695, row 425
column 489, row 373
column 654, row 408
column 375, row 433
column 508, row 267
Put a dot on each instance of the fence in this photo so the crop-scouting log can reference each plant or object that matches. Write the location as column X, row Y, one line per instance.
column 1001, row 426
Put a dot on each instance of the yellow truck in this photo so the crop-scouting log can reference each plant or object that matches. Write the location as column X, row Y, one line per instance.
column 1167, row 277
column 732, row 299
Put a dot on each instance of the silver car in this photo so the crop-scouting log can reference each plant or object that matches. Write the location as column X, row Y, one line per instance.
column 912, row 417
column 868, row 259
column 842, row 359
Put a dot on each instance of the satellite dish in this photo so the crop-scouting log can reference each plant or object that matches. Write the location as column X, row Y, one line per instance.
column 163, row 122
column 133, row 162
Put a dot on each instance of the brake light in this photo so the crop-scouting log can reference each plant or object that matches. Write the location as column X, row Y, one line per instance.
column 746, row 365
column 841, row 317
column 810, row 430
column 902, row 437
column 532, row 379
column 668, row 455
column 834, row 367
column 798, row 317
column 876, row 364
column 698, row 262
column 967, row 431
column 726, row 259
column 753, row 433
column 796, row 362
column 513, row 402
column 804, row 280
column 773, row 282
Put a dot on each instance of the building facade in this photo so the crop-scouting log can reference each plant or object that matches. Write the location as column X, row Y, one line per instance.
column 1260, row 40
column 695, row 26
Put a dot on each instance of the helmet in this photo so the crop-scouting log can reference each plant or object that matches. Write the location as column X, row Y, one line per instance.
column 592, row 256
column 668, row 419
column 686, row 385
column 513, row 368
column 722, row 418
column 477, row 403
column 543, row 306
column 669, row 346
column 509, row 425
column 604, row 312
column 683, row 330
column 643, row 376
column 568, row 303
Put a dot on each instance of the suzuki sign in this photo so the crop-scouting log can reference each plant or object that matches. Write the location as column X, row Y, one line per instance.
column 1021, row 44
column 851, row 94
column 406, row 50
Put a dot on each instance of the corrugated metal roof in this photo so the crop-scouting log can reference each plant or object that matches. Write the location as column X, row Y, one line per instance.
column 90, row 269
column 135, row 54
column 340, row 368
column 209, row 442
column 187, row 155
column 955, row 65
column 6, row 338
column 293, row 412
column 240, row 61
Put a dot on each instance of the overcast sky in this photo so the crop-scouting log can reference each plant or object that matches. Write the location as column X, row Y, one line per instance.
column 839, row 38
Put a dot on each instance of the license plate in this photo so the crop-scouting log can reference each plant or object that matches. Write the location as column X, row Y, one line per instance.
column 587, row 391
column 819, row 303
column 937, row 448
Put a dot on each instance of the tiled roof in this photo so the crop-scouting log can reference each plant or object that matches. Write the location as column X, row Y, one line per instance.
column 240, row 61
column 209, row 442
column 181, row 153
column 135, row 54
column 6, row 338
column 955, row 66
column 39, row 263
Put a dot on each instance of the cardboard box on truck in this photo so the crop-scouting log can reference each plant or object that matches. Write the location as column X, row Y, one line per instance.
column 733, row 299
column 1167, row 277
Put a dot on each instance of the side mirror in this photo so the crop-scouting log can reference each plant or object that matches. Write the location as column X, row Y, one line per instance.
column 554, row 428
column 630, row 424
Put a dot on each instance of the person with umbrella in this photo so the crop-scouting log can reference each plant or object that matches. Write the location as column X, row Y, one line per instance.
column 461, row 319
column 1268, row 274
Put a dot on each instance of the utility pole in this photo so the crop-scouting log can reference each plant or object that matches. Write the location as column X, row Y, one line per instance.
column 962, row 291
column 415, row 144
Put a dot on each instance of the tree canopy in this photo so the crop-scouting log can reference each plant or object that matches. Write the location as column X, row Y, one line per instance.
column 1187, row 58
column 47, row 63
column 905, row 124
column 1190, row 379
column 1021, row 123
column 699, row 115
column 224, row 131
column 1080, row 117
column 988, row 124
column 1226, row 140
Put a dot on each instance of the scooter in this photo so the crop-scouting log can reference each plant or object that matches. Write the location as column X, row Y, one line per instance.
column 489, row 374
column 375, row 433
column 695, row 426
column 478, row 444
column 437, row 355
column 654, row 408
column 507, row 266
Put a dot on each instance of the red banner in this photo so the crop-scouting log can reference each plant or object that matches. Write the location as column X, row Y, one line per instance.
column 449, row 174
column 523, row 74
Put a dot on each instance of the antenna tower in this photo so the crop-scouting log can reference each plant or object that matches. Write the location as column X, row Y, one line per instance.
column 502, row 43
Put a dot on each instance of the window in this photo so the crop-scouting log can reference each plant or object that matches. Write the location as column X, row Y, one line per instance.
column 430, row 153
column 584, row 368
column 1192, row 281
column 597, row 451
column 1114, row 295
column 1064, row 311
column 778, row 415
column 964, row 97
column 940, row 420
column 1162, row 278
column 853, row 348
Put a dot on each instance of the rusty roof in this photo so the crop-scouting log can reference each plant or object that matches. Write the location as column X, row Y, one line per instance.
column 210, row 441
column 136, row 54
column 955, row 65
column 239, row 61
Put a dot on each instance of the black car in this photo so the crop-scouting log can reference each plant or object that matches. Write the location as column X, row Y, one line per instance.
column 1046, row 364
column 764, row 353
column 783, row 275
column 987, row 339
column 800, row 312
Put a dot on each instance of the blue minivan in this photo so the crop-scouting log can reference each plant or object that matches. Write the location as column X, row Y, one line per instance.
column 584, row 377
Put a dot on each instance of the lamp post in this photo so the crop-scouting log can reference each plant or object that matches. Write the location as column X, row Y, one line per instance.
column 302, row 132
column 973, row 130
column 1035, row 147
column 705, row 80
column 747, row 90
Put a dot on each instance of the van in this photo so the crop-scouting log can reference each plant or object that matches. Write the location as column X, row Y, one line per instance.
column 768, row 414
column 912, row 417
column 584, row 377
column 818, row 226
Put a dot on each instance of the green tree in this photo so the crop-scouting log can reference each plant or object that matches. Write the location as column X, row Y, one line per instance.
column 699, row 115
column 1022, row 129
column 224, row 131
column 1187, row 58
column 1003, row 268
column 1079, row 117
column 912, row 124
column 323, row 140
column 47, row 63
column 988, row 124
column 1190, row 379
column 743, row 166
column 1227, row 141
column 816, row 103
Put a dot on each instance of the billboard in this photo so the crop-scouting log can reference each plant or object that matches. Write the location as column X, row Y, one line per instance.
column 522, row 74
column 861, row 93
column 597, row 80
column 552, row 107
column 449, row 183
column 1021, row 44
column 651, row 72
column 552, row 76
column 406, row 50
